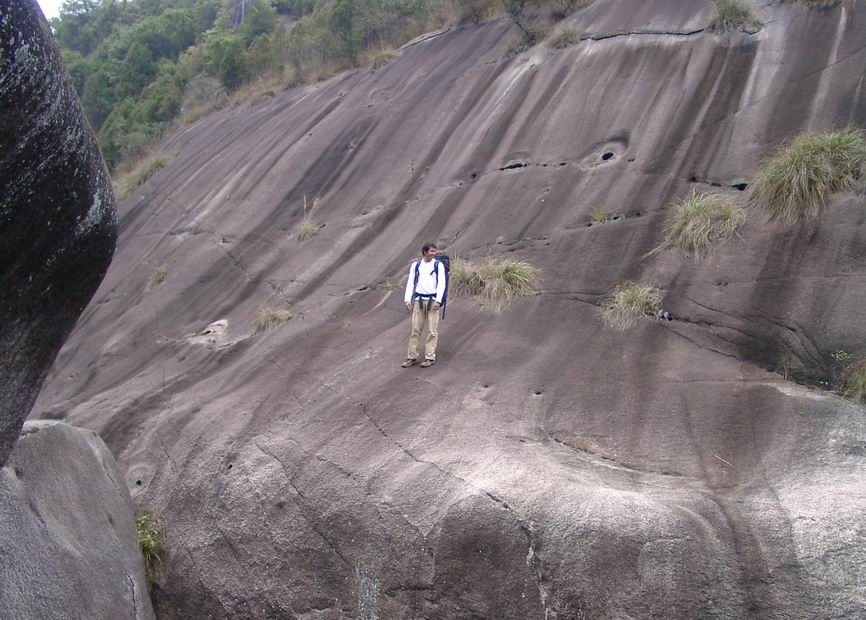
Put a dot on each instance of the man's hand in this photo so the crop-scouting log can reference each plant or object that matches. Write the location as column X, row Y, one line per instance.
column 408, row 307
column 435, row 305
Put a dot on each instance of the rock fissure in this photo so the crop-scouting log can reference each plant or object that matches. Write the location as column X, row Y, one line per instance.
column 301, row 511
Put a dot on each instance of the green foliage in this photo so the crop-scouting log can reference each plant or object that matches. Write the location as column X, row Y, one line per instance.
column 796, row 183
column 497, row 281
column 733, row 15
column 699, row 222
column 599, row 216
column 140, row 174
column 629, row 303
column 149, row 541
column 563, row 8
column 269, row 317
column 224, row 58
column 853, row 384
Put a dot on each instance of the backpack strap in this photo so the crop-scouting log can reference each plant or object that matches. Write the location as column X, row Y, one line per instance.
column 417, row 267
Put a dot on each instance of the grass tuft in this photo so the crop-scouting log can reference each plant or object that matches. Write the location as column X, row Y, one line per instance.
column 139, row 174
column 149, row 543
column 497, row 281
column 733, row 15
column 308, row 226
column 853, row 384
column 157, row 276
column 629, row 303
column 797, row 182
column 699, row 222
column 269, row 317
column 382, row 59
column 599, row 215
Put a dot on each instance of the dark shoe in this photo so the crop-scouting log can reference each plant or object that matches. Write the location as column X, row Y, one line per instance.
column 427, row 363
column 410, row 362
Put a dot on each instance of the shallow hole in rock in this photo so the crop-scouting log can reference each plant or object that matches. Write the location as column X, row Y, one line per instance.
column 537, row 392
column 280, row 505
column 615, row 217
column 514, row 166
column 693, row 179
column 638, row 214
column 230, row 466
column 138, row 483
column 474, row 175
column 19, row 473
column 565, row 163
column 740, row 186
column 607, row 156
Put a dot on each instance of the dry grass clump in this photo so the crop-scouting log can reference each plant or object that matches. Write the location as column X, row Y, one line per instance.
column 497, row 281
column 149, row 543
column 630, row 302
column 382, row 58
column 564, row 37
column 268, row 317
column 733, row 15
column 699, row 222
column 157, row 276
column 139, row 174
column 599, row 215
column 308, row 226
column 853, row 384
column 796, row 183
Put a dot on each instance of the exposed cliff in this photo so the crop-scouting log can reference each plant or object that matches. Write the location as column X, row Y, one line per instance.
column 545, row 467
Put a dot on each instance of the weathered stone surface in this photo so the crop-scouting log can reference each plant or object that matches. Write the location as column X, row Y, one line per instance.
column 69, row 546
column 57, row 219
column 545, row 467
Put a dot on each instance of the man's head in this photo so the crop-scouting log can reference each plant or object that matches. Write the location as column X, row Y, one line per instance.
column 428, row 251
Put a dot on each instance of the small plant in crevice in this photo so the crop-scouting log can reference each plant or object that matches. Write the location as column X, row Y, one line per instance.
column 150, row 543
column 159, row 273
column 796, row 183
column 564, row 37
column 734, row 15
column 599, row 216
column 382, row 58
column 630, row 302
column 496, row 281
column 308, row 226
column 269, row 317
column 699, row 222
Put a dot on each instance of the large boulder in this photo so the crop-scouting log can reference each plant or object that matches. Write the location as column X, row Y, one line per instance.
column 57, row 218
column 70, row 548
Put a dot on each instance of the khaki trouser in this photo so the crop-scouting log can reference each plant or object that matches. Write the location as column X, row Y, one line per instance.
column 420, row 317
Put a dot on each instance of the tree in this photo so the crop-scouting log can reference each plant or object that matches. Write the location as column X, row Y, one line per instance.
column 137, row 70
column 262, row 19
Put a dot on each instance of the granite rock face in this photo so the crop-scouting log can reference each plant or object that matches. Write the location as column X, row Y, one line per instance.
column 57, row 218
column 545, row 467
column 70, row 548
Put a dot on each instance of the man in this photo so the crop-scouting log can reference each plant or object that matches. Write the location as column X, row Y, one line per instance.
column 425, row 289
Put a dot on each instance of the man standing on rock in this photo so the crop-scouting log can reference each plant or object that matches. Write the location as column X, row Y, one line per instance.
column 425, row 290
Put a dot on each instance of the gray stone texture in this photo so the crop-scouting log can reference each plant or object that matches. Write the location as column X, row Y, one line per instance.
column 69, row 546
column 545, row 467
column 57, row 218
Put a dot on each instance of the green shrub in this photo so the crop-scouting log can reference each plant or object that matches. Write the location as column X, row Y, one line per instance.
column 149, row 543
column 268, row 317
column 630, row 302
column 796, row 183
column 140, row 174
column 853, row 384
column 157, row 276
column 697, row 223
column 733, row 15
column 563, row 8
column 497, row 281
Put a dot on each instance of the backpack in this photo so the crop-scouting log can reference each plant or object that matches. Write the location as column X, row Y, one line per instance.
column 446, row 264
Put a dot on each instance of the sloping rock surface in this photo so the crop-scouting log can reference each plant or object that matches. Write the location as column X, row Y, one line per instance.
column 57, row 218
column 545, row 467
column 70, row 548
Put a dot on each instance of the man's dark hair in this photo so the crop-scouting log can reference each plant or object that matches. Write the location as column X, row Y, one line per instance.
column 427, row 246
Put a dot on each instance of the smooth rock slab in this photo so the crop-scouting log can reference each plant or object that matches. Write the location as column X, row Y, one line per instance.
column 69, row 546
